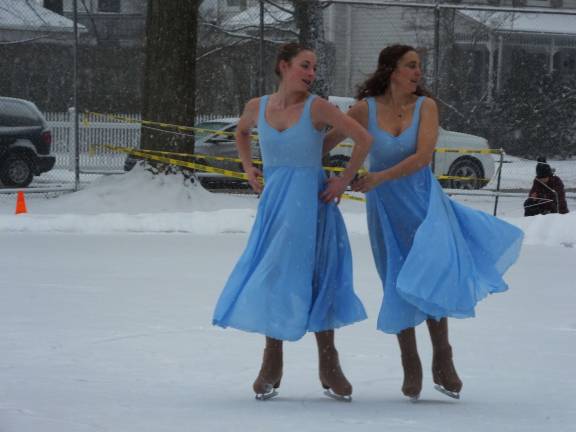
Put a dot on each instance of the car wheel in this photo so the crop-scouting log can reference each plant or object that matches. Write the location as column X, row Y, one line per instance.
column 17, row 170
column 130, row 162
column 466, row 167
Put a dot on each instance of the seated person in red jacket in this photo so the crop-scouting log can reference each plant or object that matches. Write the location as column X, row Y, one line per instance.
column 547, row 194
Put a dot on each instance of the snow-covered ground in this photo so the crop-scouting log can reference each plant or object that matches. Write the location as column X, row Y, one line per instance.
column 105, row 306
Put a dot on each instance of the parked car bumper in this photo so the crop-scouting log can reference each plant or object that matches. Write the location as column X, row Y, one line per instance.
column 44, row 164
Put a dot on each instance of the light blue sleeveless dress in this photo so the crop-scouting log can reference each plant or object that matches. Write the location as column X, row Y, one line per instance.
column 436, row 258
column 295, row 274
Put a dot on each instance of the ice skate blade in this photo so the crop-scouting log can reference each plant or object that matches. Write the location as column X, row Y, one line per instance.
column 449, row 393
column 265, row 396
column 413, row 398
column 335, row 396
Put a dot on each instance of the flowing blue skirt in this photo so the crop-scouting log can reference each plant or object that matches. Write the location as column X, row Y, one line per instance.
column 436, row 258
column 295, row 274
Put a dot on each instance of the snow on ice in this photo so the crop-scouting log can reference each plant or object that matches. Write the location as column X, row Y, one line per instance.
column 105, row 306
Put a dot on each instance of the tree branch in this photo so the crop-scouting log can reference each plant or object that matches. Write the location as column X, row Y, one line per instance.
column 240, row 35
column 215, row 50
column 282, row 8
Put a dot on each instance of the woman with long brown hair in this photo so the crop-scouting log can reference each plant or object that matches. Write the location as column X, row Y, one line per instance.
column 295, row 275
column 435, row 257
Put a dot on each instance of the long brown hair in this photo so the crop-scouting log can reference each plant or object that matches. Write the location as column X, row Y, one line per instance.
column 379, row 81
column 287, row 52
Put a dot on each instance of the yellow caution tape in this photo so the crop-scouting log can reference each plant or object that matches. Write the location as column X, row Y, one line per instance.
column 166, row 125
column 196, row 166
column 469, row 151
column 202, row 156
column 149, row 154
column 255, row 137
column 177, row 162
column 353, row 197
column 446, row 177
column 190, row 155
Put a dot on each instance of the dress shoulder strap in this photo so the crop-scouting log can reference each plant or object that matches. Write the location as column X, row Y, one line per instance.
column 262, row 110
column 372, row 121
column 417, row 109
column 308, row 106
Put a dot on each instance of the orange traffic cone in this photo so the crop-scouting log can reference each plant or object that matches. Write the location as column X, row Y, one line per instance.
column 21, row 203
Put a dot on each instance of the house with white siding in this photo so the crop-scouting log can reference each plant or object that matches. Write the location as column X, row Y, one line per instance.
column 360, row 29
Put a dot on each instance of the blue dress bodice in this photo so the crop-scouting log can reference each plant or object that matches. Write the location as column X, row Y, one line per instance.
column 298, row 146
column 388, row 150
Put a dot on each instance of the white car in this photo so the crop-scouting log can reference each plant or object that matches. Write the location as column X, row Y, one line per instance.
column 479, row 167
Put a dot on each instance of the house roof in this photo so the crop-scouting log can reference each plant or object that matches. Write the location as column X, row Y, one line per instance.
column 29, row 15
column 524, row 22
column 251, row 17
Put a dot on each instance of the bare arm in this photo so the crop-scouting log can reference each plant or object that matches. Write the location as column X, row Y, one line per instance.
column 343, row 125
column 427, row 137
column 325, row 113
column 358, row 112
column 243, row 141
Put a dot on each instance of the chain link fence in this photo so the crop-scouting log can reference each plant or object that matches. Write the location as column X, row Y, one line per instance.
column 504, row 78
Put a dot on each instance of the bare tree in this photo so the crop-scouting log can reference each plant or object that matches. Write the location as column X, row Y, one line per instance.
column 309, row 18
column 169, row 88
column 307, row 25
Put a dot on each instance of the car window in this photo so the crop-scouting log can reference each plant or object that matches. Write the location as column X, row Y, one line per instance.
column 17, row 114
column 210, row 126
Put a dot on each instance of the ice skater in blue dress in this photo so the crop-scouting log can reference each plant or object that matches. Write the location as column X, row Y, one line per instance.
column 436, row 258
column 295, row 275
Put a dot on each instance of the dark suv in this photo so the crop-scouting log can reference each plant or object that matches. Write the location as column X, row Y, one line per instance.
column 25, row 142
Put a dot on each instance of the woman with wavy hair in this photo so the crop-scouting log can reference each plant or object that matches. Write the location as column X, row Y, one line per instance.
column 436, row 258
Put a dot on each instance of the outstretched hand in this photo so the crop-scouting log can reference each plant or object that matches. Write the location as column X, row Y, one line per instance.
column 255, row 179
column 335, row 187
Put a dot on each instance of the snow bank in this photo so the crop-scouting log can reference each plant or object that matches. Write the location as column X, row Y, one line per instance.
column 139, row 202
column 550, row 230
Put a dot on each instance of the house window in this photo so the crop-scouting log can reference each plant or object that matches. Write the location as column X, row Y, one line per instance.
column 109, row 6
column 237, row 4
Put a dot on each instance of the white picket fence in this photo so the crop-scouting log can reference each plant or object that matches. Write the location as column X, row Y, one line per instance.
column 95, row 131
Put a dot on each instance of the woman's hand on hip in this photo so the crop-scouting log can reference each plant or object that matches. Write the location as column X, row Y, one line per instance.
column 335, row 187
